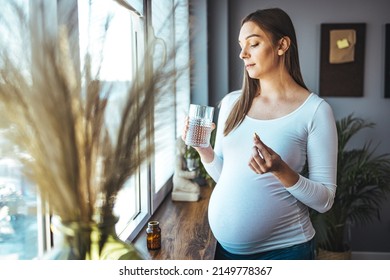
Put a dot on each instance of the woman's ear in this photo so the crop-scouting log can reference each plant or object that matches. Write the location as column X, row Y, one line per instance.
column 284, row 44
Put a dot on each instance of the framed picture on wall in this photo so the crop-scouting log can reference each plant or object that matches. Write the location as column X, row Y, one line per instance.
column 342, row 59
column 387, row 61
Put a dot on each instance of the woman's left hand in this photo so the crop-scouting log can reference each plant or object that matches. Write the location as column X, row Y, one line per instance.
column 263, row 158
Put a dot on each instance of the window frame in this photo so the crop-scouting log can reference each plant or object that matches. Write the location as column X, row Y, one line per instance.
column 149, row 198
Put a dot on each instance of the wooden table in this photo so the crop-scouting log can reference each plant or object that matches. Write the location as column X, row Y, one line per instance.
column 185, row 231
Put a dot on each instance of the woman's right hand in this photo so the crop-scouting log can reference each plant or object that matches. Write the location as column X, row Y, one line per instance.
column 206, row 154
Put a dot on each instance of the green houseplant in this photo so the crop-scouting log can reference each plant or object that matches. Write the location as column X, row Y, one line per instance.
column 363, row 179
column 192, row 158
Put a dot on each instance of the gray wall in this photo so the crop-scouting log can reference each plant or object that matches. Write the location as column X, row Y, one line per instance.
column 225, row 71
column 199, row 69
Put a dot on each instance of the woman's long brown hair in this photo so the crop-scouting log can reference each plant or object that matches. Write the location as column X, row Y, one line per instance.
column 277, row 24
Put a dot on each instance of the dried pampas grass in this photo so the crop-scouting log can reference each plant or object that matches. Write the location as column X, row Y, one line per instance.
column 55, row 116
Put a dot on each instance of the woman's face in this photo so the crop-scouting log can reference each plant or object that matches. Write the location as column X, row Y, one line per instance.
column 257, row 51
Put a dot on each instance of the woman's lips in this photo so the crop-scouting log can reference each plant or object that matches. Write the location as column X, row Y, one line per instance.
column 249, row 65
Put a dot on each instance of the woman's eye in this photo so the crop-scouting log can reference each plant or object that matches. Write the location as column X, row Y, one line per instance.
column 254, row 45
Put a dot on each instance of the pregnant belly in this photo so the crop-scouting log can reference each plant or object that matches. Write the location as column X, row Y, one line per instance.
column 248, row 213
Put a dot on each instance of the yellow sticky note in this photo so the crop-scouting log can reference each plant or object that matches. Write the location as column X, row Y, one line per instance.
column 342, row 44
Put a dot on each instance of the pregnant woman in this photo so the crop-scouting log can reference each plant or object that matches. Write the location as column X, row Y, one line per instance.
column 266, row 133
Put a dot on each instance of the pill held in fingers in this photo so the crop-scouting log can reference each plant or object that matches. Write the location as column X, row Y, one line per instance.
column 256, row 152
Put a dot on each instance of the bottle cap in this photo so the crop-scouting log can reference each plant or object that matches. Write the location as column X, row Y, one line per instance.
column 153, row 223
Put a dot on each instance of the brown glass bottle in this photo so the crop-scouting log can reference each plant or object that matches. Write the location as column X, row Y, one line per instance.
column 153, row 235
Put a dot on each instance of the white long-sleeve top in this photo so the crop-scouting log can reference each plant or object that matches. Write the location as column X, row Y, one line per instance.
column 250, row 213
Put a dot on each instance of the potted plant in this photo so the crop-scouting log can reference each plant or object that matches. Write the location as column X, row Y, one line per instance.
column 192, row 158
column 363, row 179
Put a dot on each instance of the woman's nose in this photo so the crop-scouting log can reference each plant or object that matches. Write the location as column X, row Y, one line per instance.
column 243, row 53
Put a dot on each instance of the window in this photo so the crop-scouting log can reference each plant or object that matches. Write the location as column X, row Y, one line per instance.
column 18, row 212
column 163, row 30
column 24, row 226
column 169, row 23
column 20, row 233
column 113, row 35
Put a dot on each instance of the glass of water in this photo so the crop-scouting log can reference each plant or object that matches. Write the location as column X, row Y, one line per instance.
column 200, row 124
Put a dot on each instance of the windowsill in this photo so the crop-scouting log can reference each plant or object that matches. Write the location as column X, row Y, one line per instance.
column 185, row 231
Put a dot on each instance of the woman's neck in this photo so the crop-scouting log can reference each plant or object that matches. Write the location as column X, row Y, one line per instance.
column 280, row 86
